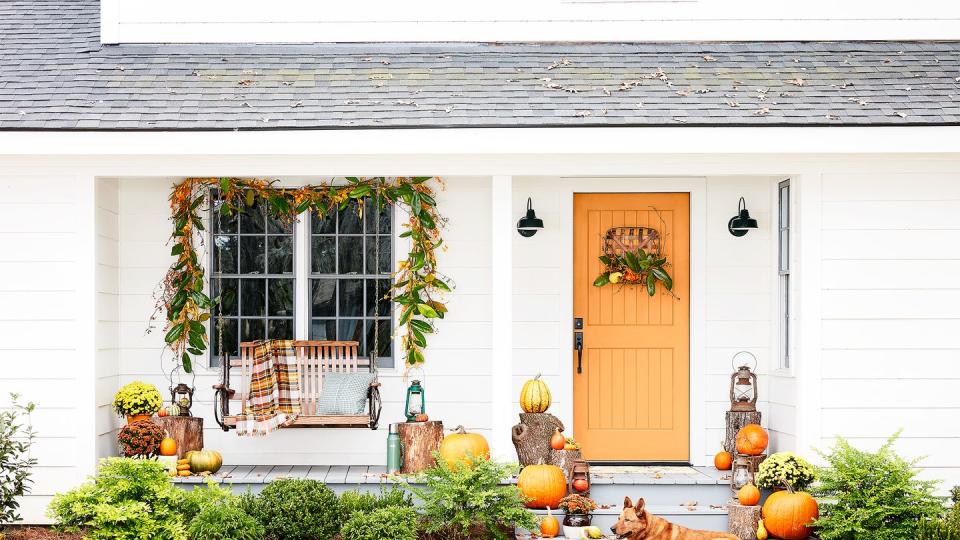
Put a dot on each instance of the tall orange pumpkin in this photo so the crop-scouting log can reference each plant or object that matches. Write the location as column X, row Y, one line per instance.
column 752, row 440
column 549, row 526
column 457, row 446
column 168, row 447
column 788, row 515
column 542, row 485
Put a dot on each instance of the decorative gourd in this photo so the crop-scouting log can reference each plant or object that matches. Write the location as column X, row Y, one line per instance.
column 558, row 441
column 752, row 440
column 788, row 515
column 457, row 447
column 168, row 447
column 535, row 396
column 204, row 461
column 549, row 526
column 723, row 461
column 542, row 485
column 748, row 495
column 762, row 531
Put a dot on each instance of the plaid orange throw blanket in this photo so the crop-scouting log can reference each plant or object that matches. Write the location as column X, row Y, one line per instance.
column 273, row 389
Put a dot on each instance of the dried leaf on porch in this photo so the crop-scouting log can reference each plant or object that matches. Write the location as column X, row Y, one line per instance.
column 797, row 82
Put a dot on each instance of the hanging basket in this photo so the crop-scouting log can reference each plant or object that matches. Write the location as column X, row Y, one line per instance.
column 620, row 240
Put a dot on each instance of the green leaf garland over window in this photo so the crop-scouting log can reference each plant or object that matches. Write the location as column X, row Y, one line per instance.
column 417, row 288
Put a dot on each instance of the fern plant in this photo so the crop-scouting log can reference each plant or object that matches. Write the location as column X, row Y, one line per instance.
column 471, row 502
column 874, row 495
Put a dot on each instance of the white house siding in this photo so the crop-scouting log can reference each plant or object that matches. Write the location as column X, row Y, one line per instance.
column 457, row 378
column 740, row 284
column 43, row 298
column 891, row 314
column 250, row 21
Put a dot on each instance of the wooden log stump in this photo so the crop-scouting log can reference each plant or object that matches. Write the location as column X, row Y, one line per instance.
column 531, row 437
column 743, row 521
column 419, row 441
column 187, row 431
column 735, row 421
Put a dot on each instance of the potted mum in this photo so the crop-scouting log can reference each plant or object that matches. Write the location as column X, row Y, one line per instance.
column 137, row 401
column 140, row 439
column 783, row 470
column 576, row 514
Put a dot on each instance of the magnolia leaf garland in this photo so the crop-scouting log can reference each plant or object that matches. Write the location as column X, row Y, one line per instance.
column 417, row 285
column 637, row 267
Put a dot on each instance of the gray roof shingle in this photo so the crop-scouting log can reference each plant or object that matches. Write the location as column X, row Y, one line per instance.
column 55, row 74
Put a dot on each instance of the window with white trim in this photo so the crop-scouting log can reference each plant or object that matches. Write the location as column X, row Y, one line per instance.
column 256, row 265
column 783, row 264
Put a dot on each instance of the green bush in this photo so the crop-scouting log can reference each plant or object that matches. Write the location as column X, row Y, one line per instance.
column 16, row 437
column 353, row 502
column 295, row 509
column 219, row 521
column 127, row 499
column 937, row 530
column 471, row 502
column 390, row 523
column 192, row 502
column 872, row 495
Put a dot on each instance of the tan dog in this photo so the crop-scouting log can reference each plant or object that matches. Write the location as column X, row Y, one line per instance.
column 636, row 523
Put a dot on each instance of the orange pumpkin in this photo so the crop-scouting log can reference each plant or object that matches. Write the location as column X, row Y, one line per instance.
column 457, row 446
column 723, row 461
column 549, row 526
column 748, row 495
column 788, row 515
column 542, row 485
column 168, row 447
column 752, row 440
column 558, row 441
column 581, row 485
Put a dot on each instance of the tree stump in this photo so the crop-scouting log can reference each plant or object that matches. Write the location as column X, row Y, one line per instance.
column 531, row 437
column 743, row 521
column 419, row 441
column 187, row 431
column 735, row 421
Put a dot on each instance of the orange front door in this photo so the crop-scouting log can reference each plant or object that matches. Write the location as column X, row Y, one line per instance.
column 632, row 394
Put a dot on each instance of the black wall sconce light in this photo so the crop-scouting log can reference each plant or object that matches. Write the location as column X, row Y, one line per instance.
column 741, row 223
column 529, row 224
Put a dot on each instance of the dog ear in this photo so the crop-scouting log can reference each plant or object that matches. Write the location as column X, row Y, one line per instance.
column 640, row 504
column 627, row 503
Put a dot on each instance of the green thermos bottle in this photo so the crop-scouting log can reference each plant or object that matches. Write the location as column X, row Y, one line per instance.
column 394, row 451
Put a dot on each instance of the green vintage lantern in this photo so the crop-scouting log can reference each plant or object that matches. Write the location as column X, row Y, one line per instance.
column 415, row 401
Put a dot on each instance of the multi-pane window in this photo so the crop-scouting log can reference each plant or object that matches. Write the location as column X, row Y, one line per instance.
column 347, row 264
column 783, row 206
column 253, row 270
column 351, row 258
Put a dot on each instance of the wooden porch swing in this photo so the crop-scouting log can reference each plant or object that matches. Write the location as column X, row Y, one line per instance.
column 314, row 360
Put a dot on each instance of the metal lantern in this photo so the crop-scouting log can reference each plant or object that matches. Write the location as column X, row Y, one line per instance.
column 415, row 401
column 743, row 473
column 182, row 396
column 743, row 386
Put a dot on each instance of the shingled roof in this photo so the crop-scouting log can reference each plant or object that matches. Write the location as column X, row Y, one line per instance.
column 55, row 74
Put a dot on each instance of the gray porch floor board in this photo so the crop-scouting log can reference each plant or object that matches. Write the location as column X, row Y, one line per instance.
column 375, row 474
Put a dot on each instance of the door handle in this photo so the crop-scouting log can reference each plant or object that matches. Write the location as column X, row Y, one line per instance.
column 578, row 344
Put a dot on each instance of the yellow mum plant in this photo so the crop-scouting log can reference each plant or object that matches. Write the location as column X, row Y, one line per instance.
column 137, row 398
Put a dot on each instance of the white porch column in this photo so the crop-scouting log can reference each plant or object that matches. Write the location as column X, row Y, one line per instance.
column 86, row 314
column 807, row 189
column 501, row 348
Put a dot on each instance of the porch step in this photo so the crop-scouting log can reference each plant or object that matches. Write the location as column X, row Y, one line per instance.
column 694, row 497
column 699, row 517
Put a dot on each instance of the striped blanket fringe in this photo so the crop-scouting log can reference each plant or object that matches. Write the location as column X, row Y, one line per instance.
column 273, row 389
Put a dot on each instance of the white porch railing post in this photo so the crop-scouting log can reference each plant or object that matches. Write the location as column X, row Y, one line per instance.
column 809, row 315
column 501, row 348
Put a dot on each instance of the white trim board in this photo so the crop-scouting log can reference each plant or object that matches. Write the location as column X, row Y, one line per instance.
column 697, row 188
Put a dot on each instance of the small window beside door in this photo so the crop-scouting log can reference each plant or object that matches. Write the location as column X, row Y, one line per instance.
column 783, row 241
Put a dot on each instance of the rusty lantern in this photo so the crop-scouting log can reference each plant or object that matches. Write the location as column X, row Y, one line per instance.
column 182, row 396
column 743, row 385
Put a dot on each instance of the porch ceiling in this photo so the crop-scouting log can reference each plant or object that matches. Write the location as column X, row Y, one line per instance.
column 55, row 74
